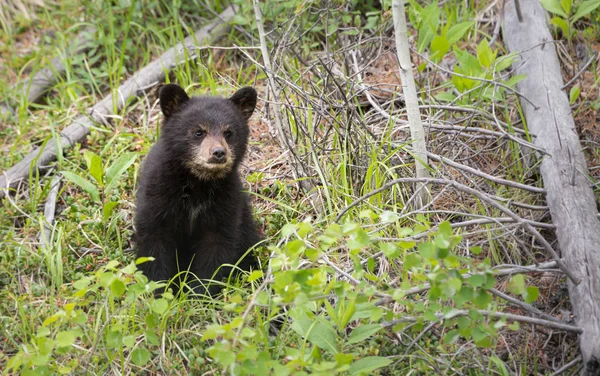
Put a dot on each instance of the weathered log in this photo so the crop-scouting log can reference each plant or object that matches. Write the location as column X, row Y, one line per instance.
column 563, row 169
column 36, row 86
column 142, row 80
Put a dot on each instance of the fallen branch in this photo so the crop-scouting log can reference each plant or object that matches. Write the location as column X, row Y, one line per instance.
column 145, row 78
column 36, row 86
column 563, row 167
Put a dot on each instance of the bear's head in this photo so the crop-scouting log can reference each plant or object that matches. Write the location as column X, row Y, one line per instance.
column 208, row 135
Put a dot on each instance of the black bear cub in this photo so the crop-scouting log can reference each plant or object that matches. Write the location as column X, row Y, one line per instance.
column 191, row 212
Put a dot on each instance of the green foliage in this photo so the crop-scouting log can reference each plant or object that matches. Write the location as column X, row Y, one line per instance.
column 105, row 178
column 336, row 318
column 337, row 290
column 568, row 12
column 60, row 336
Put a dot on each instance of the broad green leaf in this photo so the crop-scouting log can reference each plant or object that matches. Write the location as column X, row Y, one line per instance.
column 363, row 332
column 151, row 338
column 427, row 250
column 566, row 5
column 486, row 342
column 561, row 23
column 482, row 299
column 439, row 47
column 118, row 167
column 553, row 6
column 451, row 336
column 320, row 334
column 390, row 250
column 445, row 229
column 45, row 345
column 585, row 8
column 457, row 31
column 160, row 306
column 470, row 64
column 358, row 240
column 108, row 208
column 94, row 165
column 445, row 96
column 114, row 339
column 66, row 338
column 323, row 336
column 411, row 260
column 117, row 287
column 140, row 356
column 388, row 216
column 476, row 280
column 476, row 250
column 367, row 365
column 429, row 24
column 514, row 80
column 517, row 284
column 256, row 274
column 451, row 287
column 485, row 55
column 464, row 295
column 574, row 94
column 504, row 62
column 83, row 183
column 40, row 360
column 239, row 19
column 142, row 260
column 531, row 294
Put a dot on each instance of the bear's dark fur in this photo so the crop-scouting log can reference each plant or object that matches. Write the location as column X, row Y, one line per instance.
column 191, row 213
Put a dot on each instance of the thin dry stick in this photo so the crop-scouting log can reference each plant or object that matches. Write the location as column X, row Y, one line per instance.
column 504, row 271
column 523, row 305
column 269, row 72
column 412, row 101
column 484, row 175
column 497, row 315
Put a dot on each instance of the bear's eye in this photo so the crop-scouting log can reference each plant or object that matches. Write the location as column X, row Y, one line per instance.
column 228, row 134
column 199, row 133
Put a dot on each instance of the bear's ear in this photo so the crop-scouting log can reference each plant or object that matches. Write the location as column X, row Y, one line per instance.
column 171, row 97
column 245, row 100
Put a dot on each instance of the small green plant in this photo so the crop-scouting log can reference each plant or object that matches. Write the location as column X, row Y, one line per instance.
column 105, row 177
column 568, row 12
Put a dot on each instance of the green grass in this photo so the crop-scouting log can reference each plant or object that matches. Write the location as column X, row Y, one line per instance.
column 77, row 306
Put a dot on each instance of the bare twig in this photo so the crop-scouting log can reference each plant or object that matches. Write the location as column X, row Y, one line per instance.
column 484, row 175
column 480, row 195
column 496, row 315
column 269, row 72
column 523, row 305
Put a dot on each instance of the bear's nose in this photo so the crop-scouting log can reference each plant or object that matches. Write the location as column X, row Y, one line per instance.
column 218, row 153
